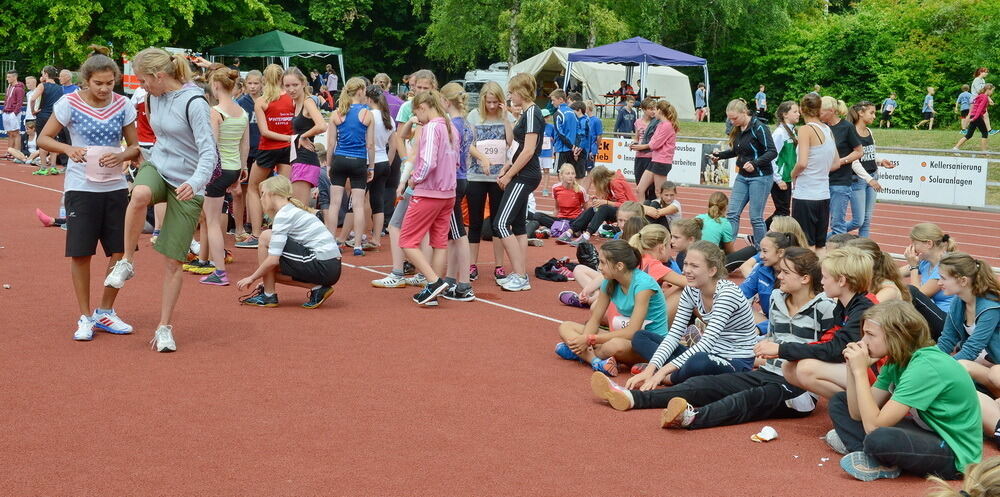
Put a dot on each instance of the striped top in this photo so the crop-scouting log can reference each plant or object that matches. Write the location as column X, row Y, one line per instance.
column 231, row 131
column 730, row 333
column 807, row 325
column 292, row 223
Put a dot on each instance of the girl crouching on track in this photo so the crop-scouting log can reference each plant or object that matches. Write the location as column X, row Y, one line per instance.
column 96, row 192
column 639, row 301
column 180, row 166
column 298, row 250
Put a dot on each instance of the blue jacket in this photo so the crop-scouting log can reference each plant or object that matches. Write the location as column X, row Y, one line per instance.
column 596, row 130
column 625, row 122
column 760, row 282
column 566, row 124
column 583, row 132
column 986, row 334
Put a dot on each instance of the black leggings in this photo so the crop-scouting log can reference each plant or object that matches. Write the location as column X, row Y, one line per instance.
column 736, row 259
column 592, row 218
column 457, row 229
column 512, row 216
column 929, row 310
column 782, row 200
column 476, row 193
column 376, row 188
column 391, row 183
column 913, row 449
column 641, row 164
column 980, row 124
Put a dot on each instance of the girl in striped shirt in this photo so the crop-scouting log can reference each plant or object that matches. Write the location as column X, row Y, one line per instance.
column 730, row 333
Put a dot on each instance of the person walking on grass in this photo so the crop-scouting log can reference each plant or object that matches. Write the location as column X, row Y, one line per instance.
column 977, row 119
column 888, row 107
column 927, row 110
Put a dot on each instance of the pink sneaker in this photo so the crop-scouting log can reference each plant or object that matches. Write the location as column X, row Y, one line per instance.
column 45, row 219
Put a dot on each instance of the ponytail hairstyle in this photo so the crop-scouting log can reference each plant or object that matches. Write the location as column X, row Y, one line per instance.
column 884, row 268
column 714, row 256
column 280, row 186
column 433, row 98
column 738, row 106
column 154, row 60
column 930, row 232
column 633, row 227
column 810, row 105
column 780, row 114
column 601, row 178
column 805, row 262
column 347, row 94
column 688, row 228
column 96, row 63
column 981, row 480
column 831, row 103
column 669, row 112
column 377, row 95
column 455, row 94
column 961, row 265
column 904, row 328
column 782, row 240
column 98, row 50
column 854, row 113
column 620, row 252
column 788, row 224
column 226, row 77
column 718, row 203
column 272, row 83
column 567, row 167
column 649, row 237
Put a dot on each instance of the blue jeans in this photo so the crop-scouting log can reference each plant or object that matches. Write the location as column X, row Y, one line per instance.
column 862, row 206
column 840, row 198
column 755, row 192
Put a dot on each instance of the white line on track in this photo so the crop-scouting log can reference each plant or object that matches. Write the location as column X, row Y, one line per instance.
column 31, row 184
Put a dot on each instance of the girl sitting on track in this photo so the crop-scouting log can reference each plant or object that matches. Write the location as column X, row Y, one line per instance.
column 179, row 168
column 350, row 145
column 611, row 190
column 871, row 421
column 683, row 233
column 928, row 244
column 715, row 228
column 666, row 208
column 590, row 279
column 639, row 301
column 747, row 258
column 298, row 250
column 799, row 314
column 96, row 191
column 761, row 280
column 886, row 283
column 570, row 198
column 819, row 367
column 729, row 336
column 230, row 126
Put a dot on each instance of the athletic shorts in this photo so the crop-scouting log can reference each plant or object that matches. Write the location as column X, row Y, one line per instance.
column 305, row 172
column 12, row 121
column 548, row 164
column 928, row 115
column 323, row 190
column 978, row 124
column 93, row 217
column 399, row 213
column 659, row 168
column 268, row 159
column 886, row 116
column 218, row 187
column 181, row 219
column 965, row 113
column 251, row 158
column 349, row 168
column 457, row 228
column 814, row 217
column 299, row 263
column 427, row 215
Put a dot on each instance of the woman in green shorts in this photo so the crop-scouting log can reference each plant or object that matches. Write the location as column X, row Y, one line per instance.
column 180, row 166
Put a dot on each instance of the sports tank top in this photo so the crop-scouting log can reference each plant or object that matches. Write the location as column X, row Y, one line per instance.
column 814, row 182
column 300, row 124
column 279, row 114
column 351, row 134
column 231, row 131
column 50, row 95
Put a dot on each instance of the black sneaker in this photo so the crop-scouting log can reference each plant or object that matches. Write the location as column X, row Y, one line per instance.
column 409, row 269
column 473, row 272
column 318, row 296
column 259, row 299
column 430, row 292
column 452, row 293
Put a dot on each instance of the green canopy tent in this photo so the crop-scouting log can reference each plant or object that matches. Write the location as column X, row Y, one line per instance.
column 282, row 45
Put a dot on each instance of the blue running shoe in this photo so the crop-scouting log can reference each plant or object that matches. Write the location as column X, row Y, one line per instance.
column 563, row 350
column 866, row 468
column 607, row 366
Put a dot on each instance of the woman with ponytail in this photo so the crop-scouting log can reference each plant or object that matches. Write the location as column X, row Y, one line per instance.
column 928, row 245
column 388, row 147
column 298, row 250
column 865, row 186
column 785, row 142
column 973, row 320
column 886, row 283
column 350, row 146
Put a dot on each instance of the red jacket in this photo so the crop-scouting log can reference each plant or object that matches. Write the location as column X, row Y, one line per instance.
column 979, row 106
column 621, row 190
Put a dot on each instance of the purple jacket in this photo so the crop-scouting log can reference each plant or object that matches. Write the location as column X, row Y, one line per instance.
column 436, row 164
column 15, row 98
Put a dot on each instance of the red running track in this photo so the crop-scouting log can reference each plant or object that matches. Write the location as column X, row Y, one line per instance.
column 366, row 395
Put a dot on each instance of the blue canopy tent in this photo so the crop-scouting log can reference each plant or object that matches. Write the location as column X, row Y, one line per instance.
column 633, row 52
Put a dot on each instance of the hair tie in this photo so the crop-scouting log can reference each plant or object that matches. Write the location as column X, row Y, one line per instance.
column 946, row 237
column 963, row 493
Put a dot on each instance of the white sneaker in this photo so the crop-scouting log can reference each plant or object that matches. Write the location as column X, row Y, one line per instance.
column 84, row 329
column 111, row 323
column 119, row 274
column 390, row 281
column 833, row 440
column 678, row 414
column 516, row 283
column 195, row 246
column 416, row 280
column 163, row 339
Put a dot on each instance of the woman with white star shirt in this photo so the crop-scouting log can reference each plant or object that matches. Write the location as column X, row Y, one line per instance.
column 96, row 193
column 180, row 166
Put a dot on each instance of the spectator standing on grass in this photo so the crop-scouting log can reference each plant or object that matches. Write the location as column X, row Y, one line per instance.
column 760, row 99
column 12, row 110
column 625, row 122
column 888, row 107
column 927, row 110
column 700, row 103
column 962, row 105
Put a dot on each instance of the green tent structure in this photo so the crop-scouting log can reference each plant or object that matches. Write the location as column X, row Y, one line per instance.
column 282, row 45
